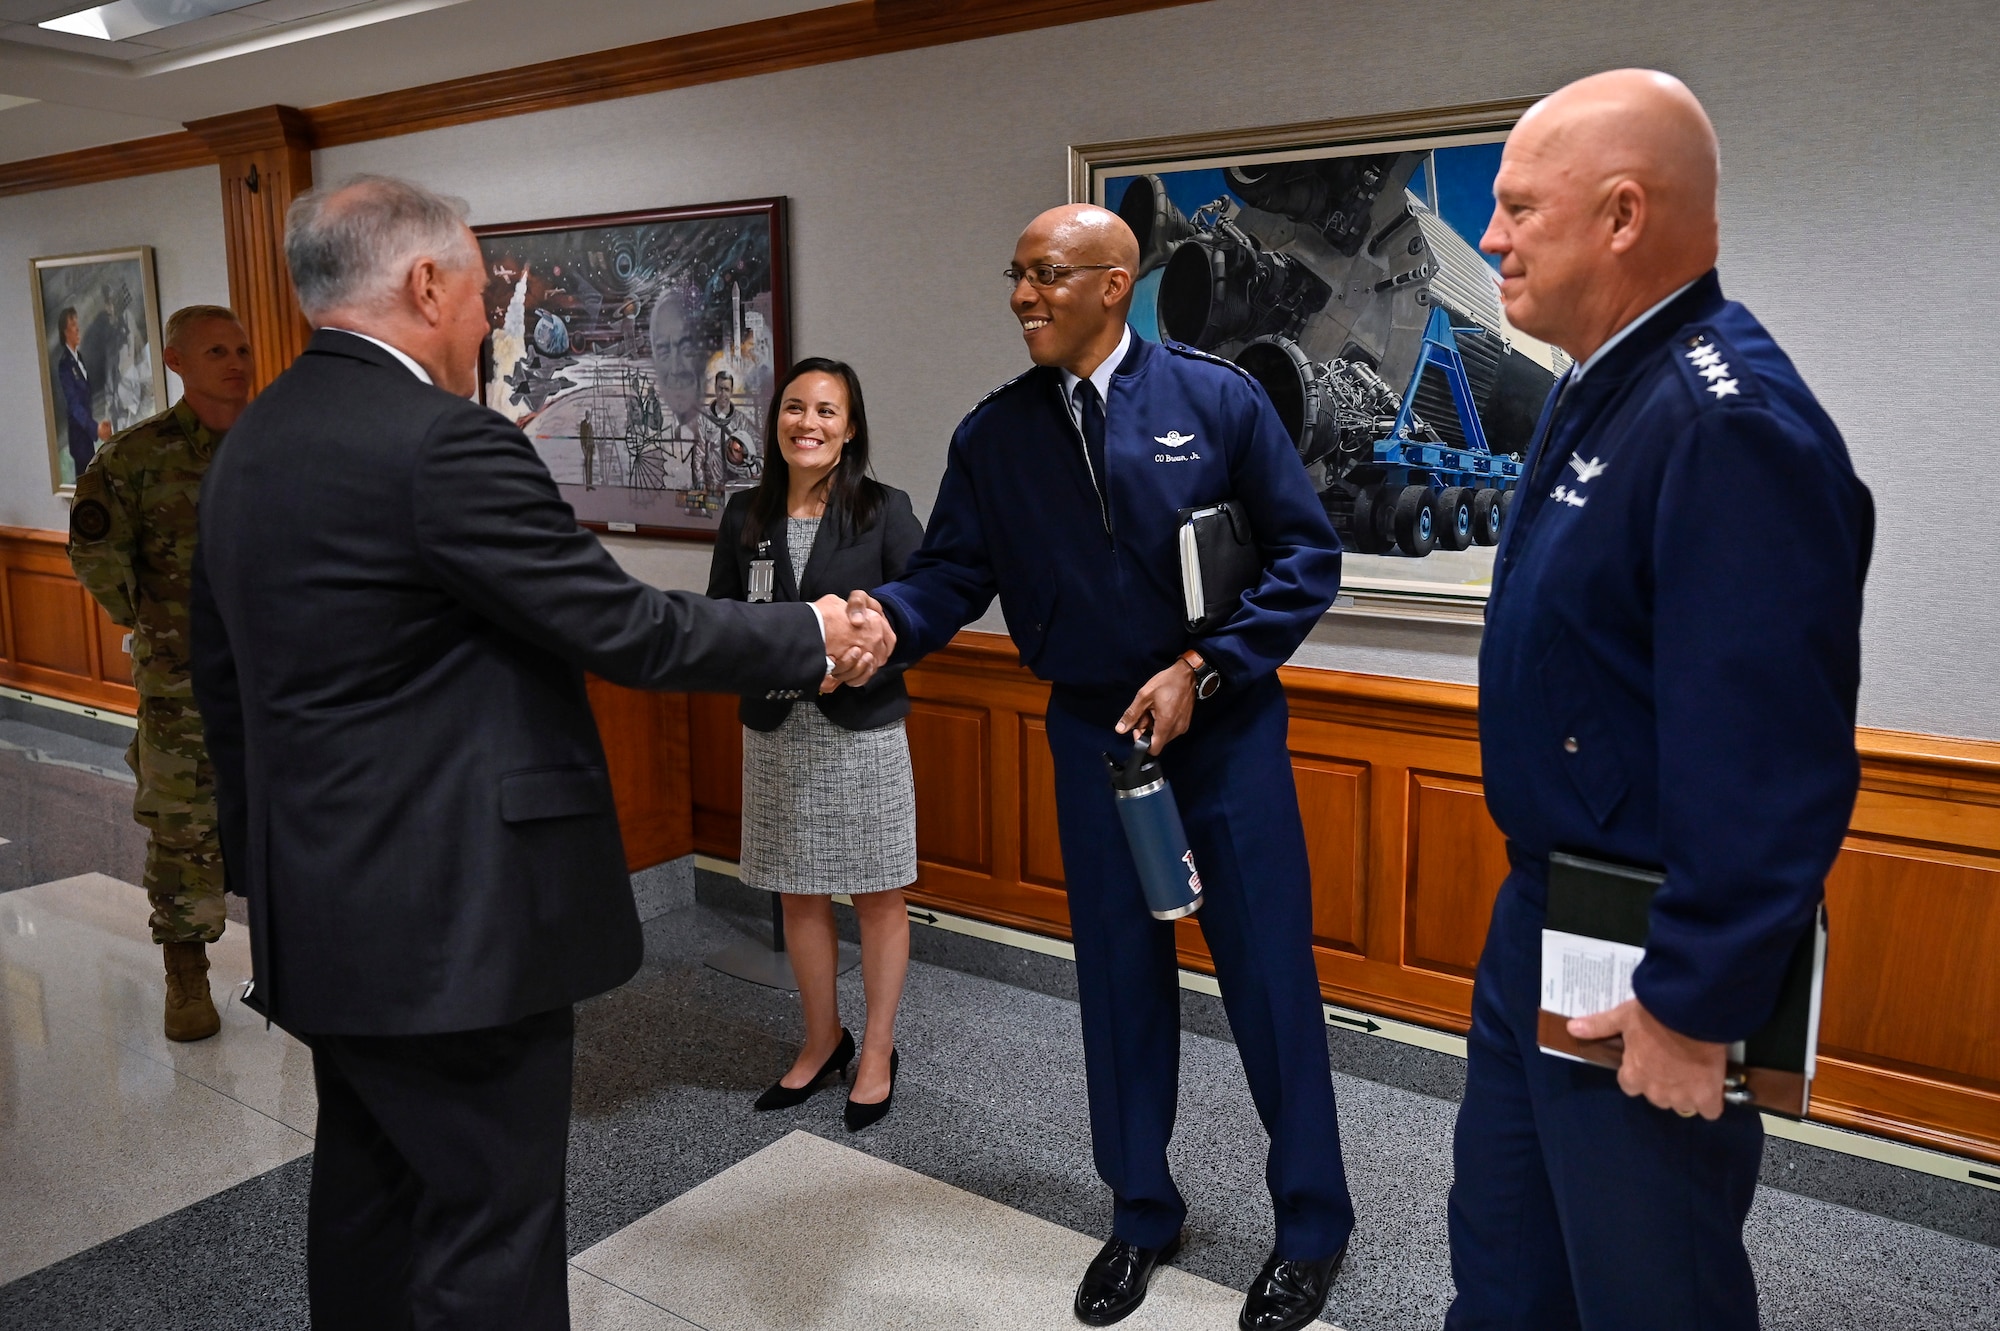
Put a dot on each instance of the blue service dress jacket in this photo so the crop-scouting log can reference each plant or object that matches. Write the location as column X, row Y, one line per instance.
column 1672, row 650
column 1090, row 581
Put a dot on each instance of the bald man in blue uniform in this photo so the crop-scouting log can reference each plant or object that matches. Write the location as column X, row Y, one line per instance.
column 1667, row 680
column 1060, row 497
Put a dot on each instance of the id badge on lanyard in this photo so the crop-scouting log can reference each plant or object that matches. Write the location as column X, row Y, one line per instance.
column 761, row 575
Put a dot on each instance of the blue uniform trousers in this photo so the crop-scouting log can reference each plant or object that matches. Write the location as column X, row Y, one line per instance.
column 1576, row 1205
column 1232, row 777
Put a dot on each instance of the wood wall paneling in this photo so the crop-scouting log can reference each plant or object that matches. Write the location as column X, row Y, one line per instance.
column 265, row 159
column 1456, row 862
column 646, row 748
column 715, row 743
column 952, row 762
column 1041, row 836
column 54, row 639
column 1333, row 804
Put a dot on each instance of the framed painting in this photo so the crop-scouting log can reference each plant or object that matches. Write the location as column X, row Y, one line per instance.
column 97, row 334
column 638, row 351
column 1338, row 263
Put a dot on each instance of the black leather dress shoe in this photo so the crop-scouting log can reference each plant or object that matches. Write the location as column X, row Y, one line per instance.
column 781, row 1096
column 1115, row 1282
column 1288, row 1295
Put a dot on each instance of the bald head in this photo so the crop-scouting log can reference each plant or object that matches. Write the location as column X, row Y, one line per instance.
column 1076, row 319
column 1086, row 233
column 1604, row 205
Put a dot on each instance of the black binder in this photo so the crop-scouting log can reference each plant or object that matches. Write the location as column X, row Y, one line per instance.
column 1219, row 563
column 1773, row 1068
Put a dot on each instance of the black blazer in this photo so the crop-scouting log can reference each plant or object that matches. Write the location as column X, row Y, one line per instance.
column 392, row 612
column 842, row 560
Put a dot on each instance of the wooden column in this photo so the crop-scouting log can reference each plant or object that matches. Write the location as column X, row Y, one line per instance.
column 266, row 161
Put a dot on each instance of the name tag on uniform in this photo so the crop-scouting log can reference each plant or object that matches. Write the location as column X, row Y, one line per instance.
column 760, row 579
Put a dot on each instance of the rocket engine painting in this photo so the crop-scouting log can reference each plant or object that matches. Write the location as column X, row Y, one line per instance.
column 637, row 352
column 1348, row 282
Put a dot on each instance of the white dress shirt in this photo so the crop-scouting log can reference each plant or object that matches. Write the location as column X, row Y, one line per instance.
column 1100, row 379
column 397, row 352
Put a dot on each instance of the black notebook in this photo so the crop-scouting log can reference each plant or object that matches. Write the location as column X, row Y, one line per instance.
column 1219, row 563
column 1594, row 937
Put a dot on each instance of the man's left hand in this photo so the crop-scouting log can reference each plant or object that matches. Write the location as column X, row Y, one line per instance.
column 1669, row 1069
column 1164, row 705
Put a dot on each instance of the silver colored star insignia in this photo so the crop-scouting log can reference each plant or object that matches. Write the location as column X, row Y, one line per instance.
column 1724, row 388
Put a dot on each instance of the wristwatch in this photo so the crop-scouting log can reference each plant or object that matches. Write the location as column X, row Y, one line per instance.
column 1207, row 679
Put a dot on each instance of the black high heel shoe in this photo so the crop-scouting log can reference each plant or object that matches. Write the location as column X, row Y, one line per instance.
column 859, row 1116
column 781, row 1096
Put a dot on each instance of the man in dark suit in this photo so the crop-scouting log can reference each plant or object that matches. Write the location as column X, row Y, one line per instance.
column 81, row 430
column 392, row 612
column 1668, row 680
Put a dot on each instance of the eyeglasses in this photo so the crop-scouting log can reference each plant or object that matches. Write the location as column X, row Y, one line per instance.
column 1048, row 274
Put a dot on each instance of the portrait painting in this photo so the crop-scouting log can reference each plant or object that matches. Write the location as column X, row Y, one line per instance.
column 1339, row 266
column 97, row 327
column 638, row 352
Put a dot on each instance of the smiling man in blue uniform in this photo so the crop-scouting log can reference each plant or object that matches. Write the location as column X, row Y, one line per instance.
column 1667, row 680
column 1061, row 496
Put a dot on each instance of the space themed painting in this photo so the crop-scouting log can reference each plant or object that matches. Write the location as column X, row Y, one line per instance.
column 1347, row 280
column 638, row 351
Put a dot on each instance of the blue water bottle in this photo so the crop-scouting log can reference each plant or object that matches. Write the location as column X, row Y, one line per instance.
column 1153, row 830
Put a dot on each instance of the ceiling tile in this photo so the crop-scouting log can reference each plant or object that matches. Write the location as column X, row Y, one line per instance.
column 285, row 11
column 63, row 41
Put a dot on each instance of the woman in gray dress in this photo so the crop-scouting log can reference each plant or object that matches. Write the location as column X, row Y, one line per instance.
column 829, row 804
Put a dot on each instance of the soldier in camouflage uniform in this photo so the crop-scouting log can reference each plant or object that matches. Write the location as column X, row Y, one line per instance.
column 131, row 542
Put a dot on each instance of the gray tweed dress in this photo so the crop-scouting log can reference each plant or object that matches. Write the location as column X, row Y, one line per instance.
column 826, row 810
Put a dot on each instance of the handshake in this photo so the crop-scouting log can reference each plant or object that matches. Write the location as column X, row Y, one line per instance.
column 858, row 638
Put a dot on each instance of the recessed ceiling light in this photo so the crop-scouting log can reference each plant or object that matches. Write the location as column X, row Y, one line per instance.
column 129, row 18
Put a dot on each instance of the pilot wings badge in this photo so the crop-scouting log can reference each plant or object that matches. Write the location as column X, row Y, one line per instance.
column 1173, row 439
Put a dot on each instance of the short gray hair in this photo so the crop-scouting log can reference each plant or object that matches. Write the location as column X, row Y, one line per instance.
column 351, row 244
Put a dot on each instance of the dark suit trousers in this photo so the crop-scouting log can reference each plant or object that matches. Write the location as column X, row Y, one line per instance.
column 437, row 1192
column 1232, row 778
column 1575, row 1205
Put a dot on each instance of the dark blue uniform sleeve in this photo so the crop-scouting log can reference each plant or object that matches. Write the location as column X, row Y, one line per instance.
column 1761, row 546
column 1301, row 552
column 949, row 581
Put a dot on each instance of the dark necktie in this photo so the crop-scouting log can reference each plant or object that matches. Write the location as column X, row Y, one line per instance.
column 1090, row 411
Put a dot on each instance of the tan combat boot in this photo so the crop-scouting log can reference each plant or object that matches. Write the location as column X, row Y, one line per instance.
column 191, row 1013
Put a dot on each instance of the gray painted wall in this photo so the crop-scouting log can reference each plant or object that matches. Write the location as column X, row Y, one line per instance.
column 179, row 215
column 1860, row 220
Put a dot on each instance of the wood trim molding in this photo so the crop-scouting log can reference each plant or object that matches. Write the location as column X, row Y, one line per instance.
column 769, row 46
column 264, row 156
column 114, row 161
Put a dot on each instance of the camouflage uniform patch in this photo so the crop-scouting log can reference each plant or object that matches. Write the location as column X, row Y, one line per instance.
column 132, row 537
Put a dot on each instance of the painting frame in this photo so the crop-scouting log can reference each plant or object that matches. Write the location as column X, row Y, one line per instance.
column 1094, row 166
column 153, row 380
column 770, row 219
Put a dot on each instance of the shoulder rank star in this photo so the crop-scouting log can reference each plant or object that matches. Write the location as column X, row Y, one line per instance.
column 1709, row 365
